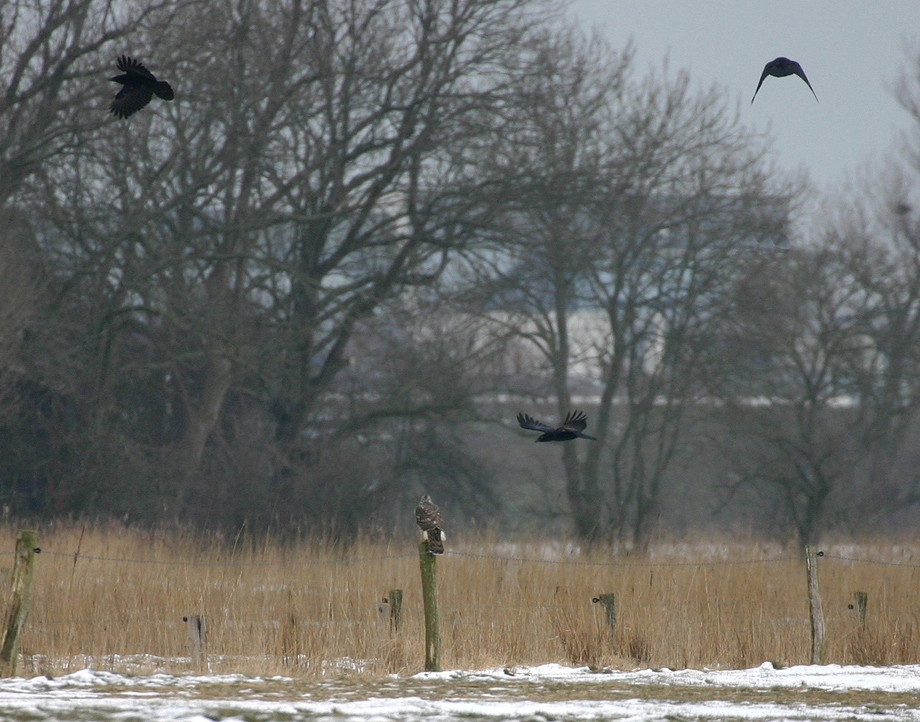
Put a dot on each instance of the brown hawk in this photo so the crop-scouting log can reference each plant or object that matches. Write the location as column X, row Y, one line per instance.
column 428, row 518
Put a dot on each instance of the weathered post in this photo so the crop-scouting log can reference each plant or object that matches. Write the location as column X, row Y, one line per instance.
column 429, row 568
column 395, row 597
column 197, row 640
column 860, row 602
column 608, row 602
column 815, row 610
column 20, row 600
column 383, row 613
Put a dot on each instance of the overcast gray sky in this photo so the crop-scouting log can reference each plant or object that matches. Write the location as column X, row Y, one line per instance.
column 852, row 52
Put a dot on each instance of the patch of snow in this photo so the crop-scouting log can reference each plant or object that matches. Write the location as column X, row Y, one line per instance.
column 492, row 694
column 899, row 678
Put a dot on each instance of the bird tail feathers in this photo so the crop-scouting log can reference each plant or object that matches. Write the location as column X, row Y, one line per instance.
column 164, row 90
column 435, row 541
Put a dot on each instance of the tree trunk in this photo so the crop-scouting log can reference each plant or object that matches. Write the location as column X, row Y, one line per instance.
column 203, row 417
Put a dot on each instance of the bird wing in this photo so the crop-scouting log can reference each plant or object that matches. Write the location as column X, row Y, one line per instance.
column 134, row 67
column 529, row 422
column 764, row 74
column 130, row 99
column 797, row 69
column 428, row 515
column 575, row 421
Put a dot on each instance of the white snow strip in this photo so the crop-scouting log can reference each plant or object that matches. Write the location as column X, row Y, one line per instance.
column 903, row 678
column 454, row 695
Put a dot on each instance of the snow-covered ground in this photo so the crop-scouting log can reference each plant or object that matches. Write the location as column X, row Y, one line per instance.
column 549, row 692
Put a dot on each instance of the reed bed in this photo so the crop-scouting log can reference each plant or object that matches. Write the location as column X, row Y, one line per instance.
column 114, row 598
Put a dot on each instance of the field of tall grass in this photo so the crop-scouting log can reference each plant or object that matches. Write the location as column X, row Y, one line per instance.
column 114, row 598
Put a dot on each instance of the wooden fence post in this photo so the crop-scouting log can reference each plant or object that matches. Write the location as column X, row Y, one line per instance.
column 429, row 569
column 860, row 602
column 815, row 610
column 20, row 600
column 395, row 598
column 197, row 639
column 608, row 601
column 383, row 613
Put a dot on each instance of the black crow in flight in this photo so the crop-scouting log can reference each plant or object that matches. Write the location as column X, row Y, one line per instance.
column 140, row 86
column 780, row 68
column 571, row 428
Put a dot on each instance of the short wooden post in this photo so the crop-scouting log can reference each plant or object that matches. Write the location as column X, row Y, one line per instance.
column 608, row 602
column 383, row 613
column 428, row 564
column 860, row 602
column 20, row 600
column 395, row 598
column 815, row 610
column 197, row 639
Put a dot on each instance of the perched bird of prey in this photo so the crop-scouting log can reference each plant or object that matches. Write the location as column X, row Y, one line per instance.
column 140, row 86
column 428, row 518
column 780, row 68
column 572, row 428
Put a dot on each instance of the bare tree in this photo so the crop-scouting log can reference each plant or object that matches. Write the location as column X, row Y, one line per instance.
column 794, row 416
column 232, row 243
column 881, row 245
column 612, row 263
column 555, row 150
column 50, row 52
column 822, row 387
column 21, row 281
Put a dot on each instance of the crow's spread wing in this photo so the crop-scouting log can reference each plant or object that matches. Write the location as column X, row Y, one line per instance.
column 130, row 99
column 764, row 74
column 529, row 422
column 797, row 69
column 134, row 67
column 575, row 421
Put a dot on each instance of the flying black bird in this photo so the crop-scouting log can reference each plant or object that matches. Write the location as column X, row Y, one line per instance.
column 429, row 520
column 572, row 428
column 780, row 68
column 140, row 86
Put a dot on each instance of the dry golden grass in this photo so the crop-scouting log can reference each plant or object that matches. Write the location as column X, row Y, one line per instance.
column 316, row 609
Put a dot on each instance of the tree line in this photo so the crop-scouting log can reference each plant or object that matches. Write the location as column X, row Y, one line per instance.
column 298, row 295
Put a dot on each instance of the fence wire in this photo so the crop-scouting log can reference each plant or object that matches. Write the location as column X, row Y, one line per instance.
column 857, row 560
column 470, row 555
column 233, row 564
column 567, row 562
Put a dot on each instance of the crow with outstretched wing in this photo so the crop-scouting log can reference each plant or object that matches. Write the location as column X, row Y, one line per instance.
column 780, row 68
column 139, row 86
column 572, row 427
